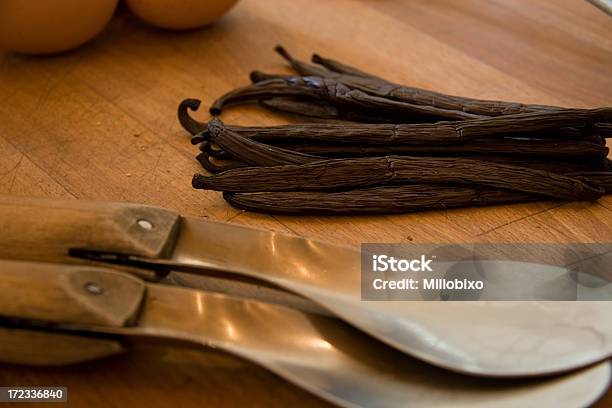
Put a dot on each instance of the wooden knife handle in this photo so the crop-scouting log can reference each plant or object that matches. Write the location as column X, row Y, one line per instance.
column 66, row 294
column 39, row 229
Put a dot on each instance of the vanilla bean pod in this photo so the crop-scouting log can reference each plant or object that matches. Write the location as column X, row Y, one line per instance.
column 554, row 165
column 600, row 169
column 376, row 200
column 215, row 152
column 532, row 126
column 204, row 158
column 332, row 91
column 314, row 108
column 327, row 66
column 603, row 129
column 363, row 172
column 252, row 152
column 190, row 124
column 588, row 148
column 602, row 179
column 366, row 82
column 564, row 167
column 302, row 107
column 339, row 67
column 506, row 147
column 519, row 149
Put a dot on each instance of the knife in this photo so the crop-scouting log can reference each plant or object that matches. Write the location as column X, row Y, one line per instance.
column 53, row 314
column 468, row 337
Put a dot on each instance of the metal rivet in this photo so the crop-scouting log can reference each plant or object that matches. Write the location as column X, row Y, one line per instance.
column 94, row 288
column 145, row 224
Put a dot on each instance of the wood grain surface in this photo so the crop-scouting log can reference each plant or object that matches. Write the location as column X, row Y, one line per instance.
column 100, row 123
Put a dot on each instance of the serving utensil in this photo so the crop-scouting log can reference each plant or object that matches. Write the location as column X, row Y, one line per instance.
column 53, row 314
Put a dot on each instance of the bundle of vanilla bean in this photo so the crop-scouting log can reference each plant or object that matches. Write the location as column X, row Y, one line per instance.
column 380, row 147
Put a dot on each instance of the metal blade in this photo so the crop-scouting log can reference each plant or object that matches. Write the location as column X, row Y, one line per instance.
column 338, row 363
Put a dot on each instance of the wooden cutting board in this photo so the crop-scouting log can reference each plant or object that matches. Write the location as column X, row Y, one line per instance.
column 100, row 123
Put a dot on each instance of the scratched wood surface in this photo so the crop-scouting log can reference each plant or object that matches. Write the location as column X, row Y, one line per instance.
column 99, row 123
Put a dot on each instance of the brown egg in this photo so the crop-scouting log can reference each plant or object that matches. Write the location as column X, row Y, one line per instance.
column 180, row 14
column 49, row 26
